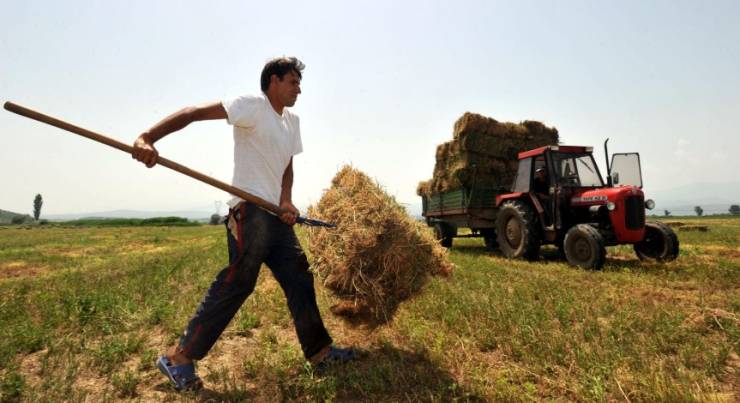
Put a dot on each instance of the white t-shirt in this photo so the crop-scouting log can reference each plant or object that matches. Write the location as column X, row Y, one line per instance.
column 264, row 143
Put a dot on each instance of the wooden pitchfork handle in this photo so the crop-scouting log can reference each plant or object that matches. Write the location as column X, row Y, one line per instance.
column 160, row 160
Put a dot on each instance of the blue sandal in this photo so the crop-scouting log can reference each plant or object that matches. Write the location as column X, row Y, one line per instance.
column 335, row 355
column 183, row 377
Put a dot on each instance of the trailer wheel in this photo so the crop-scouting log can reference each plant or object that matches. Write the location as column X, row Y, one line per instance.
column 660, row 243
column 584, row 247
column 518, row 231
column 444, row 233
column 489, row 237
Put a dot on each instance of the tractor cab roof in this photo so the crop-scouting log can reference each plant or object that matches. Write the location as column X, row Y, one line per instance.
column 561, row 149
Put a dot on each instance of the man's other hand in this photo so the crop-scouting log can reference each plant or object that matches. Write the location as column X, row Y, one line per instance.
column 144, row 151
column 289, row 214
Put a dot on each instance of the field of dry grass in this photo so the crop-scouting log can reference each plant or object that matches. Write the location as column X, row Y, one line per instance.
column 85, row 311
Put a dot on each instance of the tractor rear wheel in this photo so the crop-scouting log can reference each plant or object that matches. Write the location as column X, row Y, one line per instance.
column 584, row 247
column 518, row 232
column 444, row 233
column 660, row 243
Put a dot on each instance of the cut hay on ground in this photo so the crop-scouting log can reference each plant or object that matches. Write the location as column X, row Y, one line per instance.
column 699, row 228
column 378, row 256
column 483, row 153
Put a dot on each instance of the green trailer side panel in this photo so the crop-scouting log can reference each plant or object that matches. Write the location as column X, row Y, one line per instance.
column 484, row 198
column 462, row 199
column 446, row 201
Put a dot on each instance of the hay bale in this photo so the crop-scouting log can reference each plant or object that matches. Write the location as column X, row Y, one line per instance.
column 378, row 256
column 699, row 228
column 471, row 122
column 424, row 187
column 501, row 139
column 483, row 152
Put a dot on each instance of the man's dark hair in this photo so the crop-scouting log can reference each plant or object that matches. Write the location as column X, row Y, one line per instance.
column 280, row 66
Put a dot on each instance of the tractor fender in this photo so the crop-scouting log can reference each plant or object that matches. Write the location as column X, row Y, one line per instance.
column 532, row 200
column 500, row 199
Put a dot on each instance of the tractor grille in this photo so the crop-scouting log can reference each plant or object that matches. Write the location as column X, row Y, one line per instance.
column 634, row 212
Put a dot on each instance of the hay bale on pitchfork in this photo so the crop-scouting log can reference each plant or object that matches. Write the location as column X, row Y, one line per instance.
column 378, row 256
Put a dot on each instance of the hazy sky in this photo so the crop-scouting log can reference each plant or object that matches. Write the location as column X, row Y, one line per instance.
column 384, row 82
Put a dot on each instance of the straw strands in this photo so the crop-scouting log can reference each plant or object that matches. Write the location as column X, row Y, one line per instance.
column 378, row 256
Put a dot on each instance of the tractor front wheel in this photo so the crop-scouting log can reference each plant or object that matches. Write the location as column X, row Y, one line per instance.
column 584, row 247
column 660, row 243
column 517, row 231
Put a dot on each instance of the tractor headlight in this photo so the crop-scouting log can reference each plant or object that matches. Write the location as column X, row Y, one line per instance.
column 649, row 204
column 610, row 206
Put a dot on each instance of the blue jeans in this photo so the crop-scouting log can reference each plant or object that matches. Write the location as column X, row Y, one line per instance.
column 262, row 238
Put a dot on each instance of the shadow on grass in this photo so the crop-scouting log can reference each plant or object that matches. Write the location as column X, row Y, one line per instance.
column 238, row 395
column 207, row 394
column 551, row 254
column 387, row 373
column 475, row 250
column 383, row 373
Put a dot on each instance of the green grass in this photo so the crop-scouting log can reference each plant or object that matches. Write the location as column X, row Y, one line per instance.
column 84, row 311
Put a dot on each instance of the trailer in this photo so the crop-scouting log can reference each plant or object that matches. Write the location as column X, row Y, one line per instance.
column 472, row 207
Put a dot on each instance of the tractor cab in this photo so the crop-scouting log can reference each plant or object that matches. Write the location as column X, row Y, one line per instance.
column 559, row 195
column 554, row 179
column 573, row 167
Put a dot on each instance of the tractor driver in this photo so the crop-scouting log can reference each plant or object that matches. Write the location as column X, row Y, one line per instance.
column 541, row 187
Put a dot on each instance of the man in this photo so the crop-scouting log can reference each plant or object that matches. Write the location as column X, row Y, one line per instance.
column 266, row 137
column 541, row 187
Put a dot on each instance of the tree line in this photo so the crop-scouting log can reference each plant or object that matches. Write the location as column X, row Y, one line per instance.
column 733, row 210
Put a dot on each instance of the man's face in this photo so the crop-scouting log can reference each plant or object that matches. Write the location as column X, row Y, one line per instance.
column 287, row 89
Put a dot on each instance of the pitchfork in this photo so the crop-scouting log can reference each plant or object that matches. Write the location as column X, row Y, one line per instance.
column 161, row 161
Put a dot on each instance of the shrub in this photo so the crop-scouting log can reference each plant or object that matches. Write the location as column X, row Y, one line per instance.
column 216, row 219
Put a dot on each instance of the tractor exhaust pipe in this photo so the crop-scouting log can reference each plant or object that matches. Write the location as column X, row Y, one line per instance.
column 608, row 168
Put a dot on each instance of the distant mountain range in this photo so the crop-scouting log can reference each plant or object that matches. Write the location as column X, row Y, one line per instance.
column 713, row 198
column 197, row 215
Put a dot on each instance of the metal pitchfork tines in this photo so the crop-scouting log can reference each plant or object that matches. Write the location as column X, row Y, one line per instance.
column 314, row 223
column 31, row 114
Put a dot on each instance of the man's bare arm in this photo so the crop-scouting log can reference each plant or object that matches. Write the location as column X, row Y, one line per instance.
column 144, row 150
column 286, row 195
column 290, row 212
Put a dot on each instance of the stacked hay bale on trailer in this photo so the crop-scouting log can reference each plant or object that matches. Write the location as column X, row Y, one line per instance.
column 470, row 170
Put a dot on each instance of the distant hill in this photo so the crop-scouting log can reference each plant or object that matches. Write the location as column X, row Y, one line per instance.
column 6, row 217
column 714, row 198
column 688, row 209
column 700, row 193
column 189, row 214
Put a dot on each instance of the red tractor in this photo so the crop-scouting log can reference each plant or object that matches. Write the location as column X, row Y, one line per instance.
column 560, row 198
